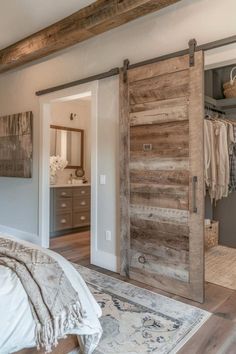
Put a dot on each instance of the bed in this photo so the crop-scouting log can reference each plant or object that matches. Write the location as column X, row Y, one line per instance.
column 17, row 326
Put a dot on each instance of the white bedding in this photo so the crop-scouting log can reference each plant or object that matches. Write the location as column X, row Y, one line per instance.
column 16, row 322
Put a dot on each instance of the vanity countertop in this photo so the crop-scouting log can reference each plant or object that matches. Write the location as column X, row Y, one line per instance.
column 67, row 185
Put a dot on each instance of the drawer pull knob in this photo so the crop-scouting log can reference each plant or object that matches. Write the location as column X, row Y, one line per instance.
column 83, row 203
column 83, row 218
column 63, row 221
column 82, row 192
column 142, row 259
column 63, row 205
column 63, row 194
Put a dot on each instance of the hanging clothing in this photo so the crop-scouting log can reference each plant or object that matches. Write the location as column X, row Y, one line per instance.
column 222, row 160
column 233, row 164
column 230, row 137
column 220, row 157
column 210, row 158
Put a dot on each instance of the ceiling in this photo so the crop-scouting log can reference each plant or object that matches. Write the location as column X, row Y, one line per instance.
column 20, row 18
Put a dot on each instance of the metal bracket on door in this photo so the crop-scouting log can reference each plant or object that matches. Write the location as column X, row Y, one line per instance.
column 192, row 48
column 125, row 69
column 195, row 180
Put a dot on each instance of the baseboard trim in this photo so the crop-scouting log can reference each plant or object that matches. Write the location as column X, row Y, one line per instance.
column 105, row 260
column 22, row 235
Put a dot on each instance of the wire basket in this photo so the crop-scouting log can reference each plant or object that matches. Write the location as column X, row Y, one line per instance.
column 230, row 86
column 211, row 234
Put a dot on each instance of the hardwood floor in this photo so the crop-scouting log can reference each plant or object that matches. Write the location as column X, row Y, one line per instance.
column 74, row 247
column 216, row 336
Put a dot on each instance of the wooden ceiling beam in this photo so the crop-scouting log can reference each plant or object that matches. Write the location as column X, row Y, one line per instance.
column 99, row 17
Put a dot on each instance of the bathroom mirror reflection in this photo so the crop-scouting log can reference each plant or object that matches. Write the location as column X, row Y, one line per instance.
column 67, row 143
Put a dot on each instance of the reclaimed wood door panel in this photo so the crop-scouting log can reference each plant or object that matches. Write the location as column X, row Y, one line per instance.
column 146, row 162
column 161, row 175
column 159, row 88
column 159, row 195
column 168, row 139
column 174, row 177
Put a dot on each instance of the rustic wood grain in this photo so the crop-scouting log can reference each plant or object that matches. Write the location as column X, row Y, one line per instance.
column 152, row 239
column 64, row 346
column 165, row 266
column 167, row 139
column 216, row 336
column 16, row 145
column 141, row 161
column 164, row 129
column 161, row 230
column 159, row 88
column 174, row 177
column 145, row 245
column 163, row 196
column 159, row 112
column 165, row 215
column 160, row 281
column 196, row 146
column 169, row 66
column 99, row 17
column 124, row 177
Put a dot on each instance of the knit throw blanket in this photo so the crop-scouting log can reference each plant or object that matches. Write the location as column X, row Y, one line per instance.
column 55, row 304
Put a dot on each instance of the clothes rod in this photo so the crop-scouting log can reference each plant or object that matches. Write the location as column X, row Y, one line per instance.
column 214, row 110
column 115, row 71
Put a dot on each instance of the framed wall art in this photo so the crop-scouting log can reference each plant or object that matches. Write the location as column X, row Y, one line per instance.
column 16, row 145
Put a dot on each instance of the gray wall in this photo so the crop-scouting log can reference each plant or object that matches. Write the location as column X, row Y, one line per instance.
column 225, row 213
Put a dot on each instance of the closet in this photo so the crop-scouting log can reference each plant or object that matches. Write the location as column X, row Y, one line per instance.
column 220, row 203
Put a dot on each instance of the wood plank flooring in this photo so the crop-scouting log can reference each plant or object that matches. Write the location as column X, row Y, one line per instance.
column 216, row 336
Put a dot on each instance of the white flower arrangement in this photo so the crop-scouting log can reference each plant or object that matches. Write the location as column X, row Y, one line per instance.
column 57, row 163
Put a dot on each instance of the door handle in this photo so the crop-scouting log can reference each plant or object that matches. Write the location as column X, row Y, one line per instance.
column 195, row 180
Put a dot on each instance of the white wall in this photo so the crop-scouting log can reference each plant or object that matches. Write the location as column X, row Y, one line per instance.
column 156, row 34
column 108, row 164
column 60, row 115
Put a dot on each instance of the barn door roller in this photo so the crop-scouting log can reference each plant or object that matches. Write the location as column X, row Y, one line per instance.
column 125, row 69
column 192, row 48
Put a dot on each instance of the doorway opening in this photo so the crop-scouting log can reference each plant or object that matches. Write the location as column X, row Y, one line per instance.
column 220, row 172
column 68, row 166
column 70, row 178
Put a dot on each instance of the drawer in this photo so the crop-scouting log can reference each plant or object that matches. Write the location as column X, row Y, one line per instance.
column 63, row 193
column 63, row 221
column 81, row 203
column 81, row 191
column 81, row 218
column 63, row 204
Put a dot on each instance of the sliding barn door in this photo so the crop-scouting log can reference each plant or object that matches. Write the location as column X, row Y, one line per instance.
column 161, row 164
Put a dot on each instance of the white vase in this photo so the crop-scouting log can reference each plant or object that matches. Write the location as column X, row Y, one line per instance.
column 53, row 179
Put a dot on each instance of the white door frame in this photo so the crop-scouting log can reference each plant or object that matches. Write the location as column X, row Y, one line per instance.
column 44, row 151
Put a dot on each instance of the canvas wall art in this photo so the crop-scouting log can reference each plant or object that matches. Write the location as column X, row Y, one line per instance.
column 16, row 145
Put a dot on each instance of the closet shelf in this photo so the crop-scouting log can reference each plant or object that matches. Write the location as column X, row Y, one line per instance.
column 225, row 104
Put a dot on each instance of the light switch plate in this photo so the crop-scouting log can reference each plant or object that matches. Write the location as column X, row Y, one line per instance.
column 108, row 235
column 102, row 179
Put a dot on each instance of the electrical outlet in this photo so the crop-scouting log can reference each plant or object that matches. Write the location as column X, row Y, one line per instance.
column 108, row 235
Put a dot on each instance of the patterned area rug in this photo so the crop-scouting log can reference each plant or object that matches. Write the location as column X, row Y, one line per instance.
column 138, row 321
column 221, row 266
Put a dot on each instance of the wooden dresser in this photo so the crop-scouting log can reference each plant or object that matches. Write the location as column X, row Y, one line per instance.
column 69, row 209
